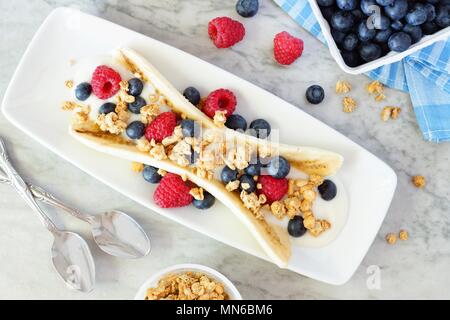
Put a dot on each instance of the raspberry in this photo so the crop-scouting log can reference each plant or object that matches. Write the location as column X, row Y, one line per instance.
column 105, row 82
column 274, row 189
column 225, row 32
column 219, row 100
column 287, row 48
column 162, row 127
column 172, row 192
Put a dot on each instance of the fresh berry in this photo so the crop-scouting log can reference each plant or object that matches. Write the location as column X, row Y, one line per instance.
column 247, row 8
column 315, row 94
column 443, row 14
column 225, row 32
column 350, row 42
column 380, row 22
column 287, row 48
column 207, row 202
column 236, row 122
column 431, row 12
column 385, row 3
column 338, row 36
column 429, row 28
column 358, row 14
column 382, row 36
column 220, row 100
column 399, row 41
column 342, row 21
column 254, row 169
column 274, row 189
column 417, row 15
column 397, row 25
column 192, row 94
column 172, row 192
column 368, row 7
column 106, row 108
column 247, row 183
column 415, row 32
column 136, row 105
column 327, row 190
column 364, row 33
column 135, row 130
column 325, row 3
column 190, row 128
column 135, row 86
column 83, row 91
column 370, row 51
column 260, row 128
column 295, row 227
column 151, row 174
column 161, row 127
column 327, row 12
column 105, row 82
column 347, row 5
column 228, row 174
column 397, row 10
column 278, row 167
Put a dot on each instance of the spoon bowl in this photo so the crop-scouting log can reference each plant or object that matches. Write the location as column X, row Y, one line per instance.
column 73, row 261
column 117, row 234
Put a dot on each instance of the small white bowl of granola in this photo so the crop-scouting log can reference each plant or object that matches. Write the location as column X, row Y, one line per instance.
column 188, row 282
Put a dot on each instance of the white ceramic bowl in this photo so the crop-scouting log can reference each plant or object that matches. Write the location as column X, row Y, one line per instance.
column 387, row 59
column 229, row 287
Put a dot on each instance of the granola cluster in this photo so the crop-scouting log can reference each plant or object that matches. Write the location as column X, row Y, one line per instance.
column 376, row 88
column 349, row 104
column 187, row 286
column 419, row 181
column 391, row 238
column 390, row 113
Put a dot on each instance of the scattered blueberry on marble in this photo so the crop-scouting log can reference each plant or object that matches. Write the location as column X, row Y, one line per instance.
column 247, row 183
column 135, row 87
column 247, row 8
column 207, row 202
column 315, row 94
column 151, row 174
column 327, row 190
column 228, row 174
column 295, row 227
column 236, row 122
column 192, row 94
column 83, row 91
column 278, row 167
column 260, row 128
column 135, row 107
column 135, row 130
column 106, row 108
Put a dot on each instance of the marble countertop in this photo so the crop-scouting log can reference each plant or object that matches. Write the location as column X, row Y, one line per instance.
column 417, row 268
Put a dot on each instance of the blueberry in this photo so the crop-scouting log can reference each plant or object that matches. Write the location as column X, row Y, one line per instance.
column 358, row 14
column 383, row 35
column 207, row 202
column 260, row 128
column 135, row 87
column 397, row 10
column 342, row 21
column 253, row 169
column 385, row 3
column 279, row 167
column 151, row 174
column 364, row 33
column 338, row 36
column 351, row 58
column 192, row 94
column 190, row 128
column 228, row 175
column 369, row 51
column 236, row 122
column 399, row 41
column 326, row 3
column 135, row 130
column 380, row 21
column 429, row 28
column 368, row 7
column 295, row 227
column 350, row 42
column 247, row 8
column 315, row 94
column 431, row 12
column 83, row 91
column 415, row 32
column 247, row 181
column 347, row 5
column 397, row 25
column 443, row 15
column 106, row 108
column 417, row 16
column 135, row 107
column 327, row 190
column 328, row 12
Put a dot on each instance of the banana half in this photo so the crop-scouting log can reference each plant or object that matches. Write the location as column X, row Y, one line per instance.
column 272, row 238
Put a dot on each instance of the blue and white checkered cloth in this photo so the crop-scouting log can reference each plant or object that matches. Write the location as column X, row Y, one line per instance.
column 425, row 74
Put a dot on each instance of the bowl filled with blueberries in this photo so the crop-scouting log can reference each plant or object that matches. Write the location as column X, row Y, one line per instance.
column 365, row 34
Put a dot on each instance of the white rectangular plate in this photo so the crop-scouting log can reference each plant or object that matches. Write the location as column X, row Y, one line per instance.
column 37, row 89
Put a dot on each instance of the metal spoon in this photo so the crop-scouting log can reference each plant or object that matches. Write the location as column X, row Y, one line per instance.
column 70, row 253
column 115, row 232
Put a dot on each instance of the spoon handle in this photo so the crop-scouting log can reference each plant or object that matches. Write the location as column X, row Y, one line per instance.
column 21, row 187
